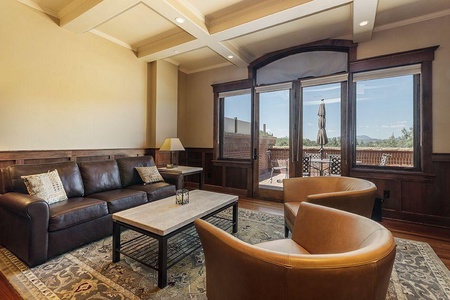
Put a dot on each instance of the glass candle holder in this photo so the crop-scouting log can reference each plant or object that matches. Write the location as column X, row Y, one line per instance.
column 182, row 197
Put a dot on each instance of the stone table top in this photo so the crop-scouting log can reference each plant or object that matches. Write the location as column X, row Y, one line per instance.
column 164, row 216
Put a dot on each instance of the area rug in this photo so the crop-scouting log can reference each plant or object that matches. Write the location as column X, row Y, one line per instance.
column 88, row 273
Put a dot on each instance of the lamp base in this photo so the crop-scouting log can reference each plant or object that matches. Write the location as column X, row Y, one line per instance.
column 170, row 166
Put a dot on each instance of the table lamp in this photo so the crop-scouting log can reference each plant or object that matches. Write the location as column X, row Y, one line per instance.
column 171, row 144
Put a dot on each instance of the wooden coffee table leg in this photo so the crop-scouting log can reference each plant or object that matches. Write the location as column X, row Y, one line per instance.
column 235, row 217
column 116, row 242
column 162, row 263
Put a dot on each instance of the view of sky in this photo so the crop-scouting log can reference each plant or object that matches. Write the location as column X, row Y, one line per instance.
column 384, row 107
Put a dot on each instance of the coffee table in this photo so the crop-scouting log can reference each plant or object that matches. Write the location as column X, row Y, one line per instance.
column 167, row 230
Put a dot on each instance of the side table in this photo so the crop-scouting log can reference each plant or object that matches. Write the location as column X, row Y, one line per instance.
column 185, row 171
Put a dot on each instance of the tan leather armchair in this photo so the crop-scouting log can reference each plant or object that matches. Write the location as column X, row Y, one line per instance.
column 332, row 255
column 346, row 193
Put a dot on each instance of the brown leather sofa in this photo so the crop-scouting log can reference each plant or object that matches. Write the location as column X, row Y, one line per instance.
column 333, row 254
column 35, row 231
column 350, row 194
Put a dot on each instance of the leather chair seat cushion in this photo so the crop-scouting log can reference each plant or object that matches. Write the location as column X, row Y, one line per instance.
column 290, row 211
column 283, row 245
column 128, row 174
column 75, row 211
column 156, row 190
column 121, row 199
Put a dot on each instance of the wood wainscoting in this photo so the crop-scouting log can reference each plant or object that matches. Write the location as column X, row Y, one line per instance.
column 413, row 197
column 8, row 158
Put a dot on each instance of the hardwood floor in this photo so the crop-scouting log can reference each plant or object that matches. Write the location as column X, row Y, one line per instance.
column 437, row 238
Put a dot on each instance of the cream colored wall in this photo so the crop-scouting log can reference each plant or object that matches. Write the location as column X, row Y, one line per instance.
column 61, row 90
column 164, row 102
column 196, row 128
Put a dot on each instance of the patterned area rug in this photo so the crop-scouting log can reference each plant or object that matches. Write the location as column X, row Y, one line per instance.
column 88, row 273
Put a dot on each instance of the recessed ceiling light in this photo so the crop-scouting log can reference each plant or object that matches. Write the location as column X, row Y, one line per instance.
column 179, row 20
column 176, row 51
column 230, row 56
column 363, row 23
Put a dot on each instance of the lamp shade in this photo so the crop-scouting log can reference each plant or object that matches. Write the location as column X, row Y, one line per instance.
column 172, row 144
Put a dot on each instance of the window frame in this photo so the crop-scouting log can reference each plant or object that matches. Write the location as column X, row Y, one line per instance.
column 222, row 96
column 386, row 73
column 219, row 90
column 423, row 106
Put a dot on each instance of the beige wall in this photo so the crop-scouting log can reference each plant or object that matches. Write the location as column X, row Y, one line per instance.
column 163, row 102
column 198, row 115
column 61, row 90
column 195, row 127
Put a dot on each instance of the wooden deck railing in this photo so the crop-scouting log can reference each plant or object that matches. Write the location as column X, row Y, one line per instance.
column 364, row 156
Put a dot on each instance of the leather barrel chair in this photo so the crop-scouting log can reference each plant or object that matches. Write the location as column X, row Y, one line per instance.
column 332, row 255
column 350, row 194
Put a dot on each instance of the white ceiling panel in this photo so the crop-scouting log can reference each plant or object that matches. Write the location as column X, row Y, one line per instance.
column 135, row 24
column 200, row 59
column 392, row 11
column 330, row 24
column 207, row 7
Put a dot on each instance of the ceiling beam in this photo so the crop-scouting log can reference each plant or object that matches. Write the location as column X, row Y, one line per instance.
column 195, row 25
column 364, row 12
column 225, row 30
column 87, row 15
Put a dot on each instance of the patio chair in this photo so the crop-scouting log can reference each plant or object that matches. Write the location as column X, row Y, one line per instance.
column 306, row 166
column 335, row 165
column 277, row 165
column 384, row 159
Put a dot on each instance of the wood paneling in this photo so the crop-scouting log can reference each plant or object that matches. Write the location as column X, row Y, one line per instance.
column 414, row 197
column 8, row 158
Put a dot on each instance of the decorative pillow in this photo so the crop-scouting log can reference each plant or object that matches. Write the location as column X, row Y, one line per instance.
column 47, row 186
column 149, row 174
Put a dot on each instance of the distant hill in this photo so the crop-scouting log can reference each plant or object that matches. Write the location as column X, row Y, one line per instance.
column 365, row 139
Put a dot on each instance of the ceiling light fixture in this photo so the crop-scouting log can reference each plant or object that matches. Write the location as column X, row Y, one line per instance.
column 179, row 20
column 363, row 23
column 230, row 56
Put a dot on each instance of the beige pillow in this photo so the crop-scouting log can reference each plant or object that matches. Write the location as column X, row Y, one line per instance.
column 149, row 174
column 47, row 186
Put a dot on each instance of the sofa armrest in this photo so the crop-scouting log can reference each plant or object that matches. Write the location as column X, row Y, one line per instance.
column 24, row 227
column 174, row 178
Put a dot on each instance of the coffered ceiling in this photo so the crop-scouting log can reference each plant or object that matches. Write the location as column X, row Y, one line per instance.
column 203, row 34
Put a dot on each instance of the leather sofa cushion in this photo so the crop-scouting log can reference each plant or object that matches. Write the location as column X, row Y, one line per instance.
column 155, row 191
column 121, row 199
column 99, row 176
column 128, row 174
column 75, row 211
column 68, row 172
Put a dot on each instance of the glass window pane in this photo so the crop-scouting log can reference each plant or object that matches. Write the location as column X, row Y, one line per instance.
column 322, row 157
column 236, row 142
column 385, row 121
column 273, row 138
